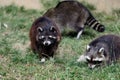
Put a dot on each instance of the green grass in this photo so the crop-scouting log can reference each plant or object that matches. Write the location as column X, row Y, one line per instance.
column 18, row 62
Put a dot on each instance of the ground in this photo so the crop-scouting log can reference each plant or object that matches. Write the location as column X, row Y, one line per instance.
column 101, row 5
column 18, row 62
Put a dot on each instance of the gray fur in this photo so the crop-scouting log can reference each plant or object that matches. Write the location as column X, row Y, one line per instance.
column 105, row 49
column 73, row 16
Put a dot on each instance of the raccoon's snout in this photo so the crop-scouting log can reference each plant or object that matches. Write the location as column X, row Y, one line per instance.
column 91, row 66
column 47, row 43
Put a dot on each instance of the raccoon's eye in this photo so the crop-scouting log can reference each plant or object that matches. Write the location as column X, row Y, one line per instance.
column 52, row 29
column 42, row 37
column 52, row 37
column 39, row 29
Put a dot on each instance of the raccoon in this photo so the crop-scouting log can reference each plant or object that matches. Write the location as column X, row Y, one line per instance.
column 73, row 16
column 45, row 37
column 102, row 51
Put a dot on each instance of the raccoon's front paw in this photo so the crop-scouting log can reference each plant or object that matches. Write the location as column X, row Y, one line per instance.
column 81, row 59
column 42, row 60
column 79, row 34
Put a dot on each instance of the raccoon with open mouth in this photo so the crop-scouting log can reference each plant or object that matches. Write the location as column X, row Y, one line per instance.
column 102, row 51
column 73, row 16
column 45, row 37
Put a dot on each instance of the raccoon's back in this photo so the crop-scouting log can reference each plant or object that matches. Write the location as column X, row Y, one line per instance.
column 68, row 10
column 66, row 13
column 71, row 14
column 113, row 39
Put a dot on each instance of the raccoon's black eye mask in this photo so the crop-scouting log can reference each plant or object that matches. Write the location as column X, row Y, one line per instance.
column 94, row 62
column 52, row 37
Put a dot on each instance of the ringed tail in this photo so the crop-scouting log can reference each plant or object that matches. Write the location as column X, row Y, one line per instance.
column 93, row 23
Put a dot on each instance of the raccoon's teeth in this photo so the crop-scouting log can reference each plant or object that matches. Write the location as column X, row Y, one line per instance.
column 42, row 60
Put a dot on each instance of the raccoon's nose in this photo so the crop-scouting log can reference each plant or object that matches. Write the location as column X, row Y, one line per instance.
column 91, row 66
column 46, row 43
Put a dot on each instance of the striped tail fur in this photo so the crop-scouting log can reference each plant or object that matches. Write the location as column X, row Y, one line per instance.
column 93, row 23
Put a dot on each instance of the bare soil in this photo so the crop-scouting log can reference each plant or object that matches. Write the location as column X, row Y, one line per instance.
column 105, row 5
column 28, row 4
column 101, row 5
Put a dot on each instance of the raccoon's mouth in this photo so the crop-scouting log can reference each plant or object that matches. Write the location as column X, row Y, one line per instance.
column 47, row 43
column 94, row 62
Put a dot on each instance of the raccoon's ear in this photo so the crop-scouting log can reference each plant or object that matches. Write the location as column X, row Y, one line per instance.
column 101, row 50
column 88, row 47
column 52, row 29
column 39, row 29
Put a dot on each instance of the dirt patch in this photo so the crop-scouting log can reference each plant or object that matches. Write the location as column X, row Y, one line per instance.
column 28, row 4
column 21, row 47
column 104, row 5
column 101, row 5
